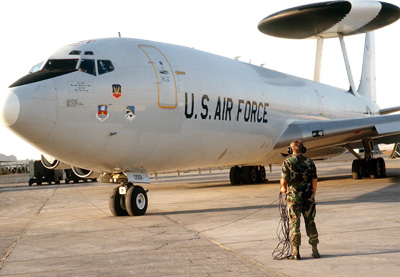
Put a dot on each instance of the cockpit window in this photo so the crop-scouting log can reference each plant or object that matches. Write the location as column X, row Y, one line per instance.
column 104, row 66
column 61, row 64
column 36, row 67
column 75, row 52
column 88, row 66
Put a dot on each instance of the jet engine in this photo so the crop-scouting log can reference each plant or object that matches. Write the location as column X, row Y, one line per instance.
column 52, row 163
column 85, row 173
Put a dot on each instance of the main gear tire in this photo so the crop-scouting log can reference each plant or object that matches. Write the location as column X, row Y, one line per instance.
column 250, row 174
column 374, row 169
column 382, row 164
column 117, row 203
column 234, row 175
column 356, row 170
column 136, row 201
column 262, row 176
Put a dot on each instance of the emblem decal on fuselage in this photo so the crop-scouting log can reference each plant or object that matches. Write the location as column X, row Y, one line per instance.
column 102, row 112
column 116, row 91
column 130, row 113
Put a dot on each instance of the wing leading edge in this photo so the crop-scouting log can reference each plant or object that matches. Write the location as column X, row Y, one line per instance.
column 320, row 135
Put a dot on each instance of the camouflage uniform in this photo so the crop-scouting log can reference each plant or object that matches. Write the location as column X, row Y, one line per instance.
column 299, row 171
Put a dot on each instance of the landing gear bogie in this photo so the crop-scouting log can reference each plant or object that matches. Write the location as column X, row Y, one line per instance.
column 247, row 175
column 373, row 168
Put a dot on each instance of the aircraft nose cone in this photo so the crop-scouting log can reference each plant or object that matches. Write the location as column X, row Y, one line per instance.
column 9, row 108
column 30, row 111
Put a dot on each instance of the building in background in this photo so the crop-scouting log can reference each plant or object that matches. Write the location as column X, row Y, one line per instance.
column 11, row 165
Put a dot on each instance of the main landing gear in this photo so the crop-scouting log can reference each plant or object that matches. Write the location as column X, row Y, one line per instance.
column 369, row 166
column 247, row 175
column 128, row 200
column 373, row 168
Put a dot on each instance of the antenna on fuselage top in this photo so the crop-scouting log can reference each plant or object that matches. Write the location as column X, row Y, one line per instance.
column 334, row 20
column 119, row 34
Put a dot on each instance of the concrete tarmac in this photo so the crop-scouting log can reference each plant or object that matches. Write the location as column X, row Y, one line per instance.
column 200, row 226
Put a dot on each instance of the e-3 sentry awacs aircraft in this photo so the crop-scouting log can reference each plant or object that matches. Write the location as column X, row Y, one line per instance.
column 124, row 108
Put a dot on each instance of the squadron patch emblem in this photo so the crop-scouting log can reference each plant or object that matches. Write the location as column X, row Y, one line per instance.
column 102, row 113
column 116, row 91
column 130, row 113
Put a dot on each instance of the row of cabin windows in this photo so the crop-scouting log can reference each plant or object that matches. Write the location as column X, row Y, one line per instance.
column 86, row 65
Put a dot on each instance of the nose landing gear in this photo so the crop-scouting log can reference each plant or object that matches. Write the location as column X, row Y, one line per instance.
column 128, row 200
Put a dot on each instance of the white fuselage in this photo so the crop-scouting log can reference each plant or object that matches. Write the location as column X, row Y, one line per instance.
column 191, row 109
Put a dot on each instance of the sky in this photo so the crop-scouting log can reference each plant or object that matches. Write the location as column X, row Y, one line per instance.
column 32, row 30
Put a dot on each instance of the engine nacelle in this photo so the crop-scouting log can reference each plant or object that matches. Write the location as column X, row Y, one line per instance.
column 51, row 163
column 85, row 173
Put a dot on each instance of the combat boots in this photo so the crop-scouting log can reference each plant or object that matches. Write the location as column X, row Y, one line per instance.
column 296, row 253
column 315, row 253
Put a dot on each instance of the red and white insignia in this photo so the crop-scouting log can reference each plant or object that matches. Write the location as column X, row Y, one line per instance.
column 116, row 91
column 102, row 113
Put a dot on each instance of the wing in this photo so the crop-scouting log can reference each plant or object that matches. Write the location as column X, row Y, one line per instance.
column 330, row 135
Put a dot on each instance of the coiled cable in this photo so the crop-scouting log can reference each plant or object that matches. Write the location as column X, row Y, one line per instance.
column 284, row 249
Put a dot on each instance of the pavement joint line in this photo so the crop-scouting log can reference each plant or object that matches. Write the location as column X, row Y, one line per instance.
column 89, row 200
column 14, row 244
column 117, row 218
column 223, row 246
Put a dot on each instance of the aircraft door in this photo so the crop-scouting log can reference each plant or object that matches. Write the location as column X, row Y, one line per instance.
column 166, row 84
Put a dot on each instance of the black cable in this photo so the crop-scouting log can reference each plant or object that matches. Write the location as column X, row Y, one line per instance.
column 284, row 249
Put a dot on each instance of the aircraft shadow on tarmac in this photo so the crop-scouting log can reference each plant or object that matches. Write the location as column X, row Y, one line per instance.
column 213, row 210
column 384, row 195
column 327, row 256
column 389, row 194
column 225, row 184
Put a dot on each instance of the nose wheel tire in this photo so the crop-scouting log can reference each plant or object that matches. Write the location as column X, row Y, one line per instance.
column 136, row 201
column 117, row 203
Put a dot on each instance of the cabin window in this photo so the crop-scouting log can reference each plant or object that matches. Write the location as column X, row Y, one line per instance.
column 88, row 66
column 104, row 66
column 61, row 64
